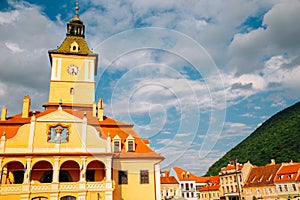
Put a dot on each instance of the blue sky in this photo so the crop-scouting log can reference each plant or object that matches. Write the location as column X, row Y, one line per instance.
column 195, row 77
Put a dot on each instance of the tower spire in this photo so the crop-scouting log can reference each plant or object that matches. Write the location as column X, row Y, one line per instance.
column 76, row 10
column 75, row 27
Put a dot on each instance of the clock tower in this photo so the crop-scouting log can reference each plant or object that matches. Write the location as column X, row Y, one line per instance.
column 73, row 69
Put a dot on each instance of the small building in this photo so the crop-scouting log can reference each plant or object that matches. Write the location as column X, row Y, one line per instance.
column 260, row 182
column 187, row 183
column 169, row 188
column 231, row 181
column 287, row 181
column 210, row 191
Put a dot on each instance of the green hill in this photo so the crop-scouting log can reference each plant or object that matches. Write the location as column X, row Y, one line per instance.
column 278, row 138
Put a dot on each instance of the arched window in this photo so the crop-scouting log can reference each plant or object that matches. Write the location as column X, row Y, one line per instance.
column 68, row 198
column 64, row 176
column 39, row 198
column 47, row 177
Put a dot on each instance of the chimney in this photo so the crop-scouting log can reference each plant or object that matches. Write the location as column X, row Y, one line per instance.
column 26, row 107
column 100, row 110
column 273, row 162
column 3, row 114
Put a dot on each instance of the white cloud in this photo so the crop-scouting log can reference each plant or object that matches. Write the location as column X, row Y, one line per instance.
column 13, row 47
column 279, row 36
column 8, row 17
column 25, row 37
column 235, row 129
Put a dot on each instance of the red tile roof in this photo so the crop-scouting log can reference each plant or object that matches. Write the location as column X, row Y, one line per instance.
column 168, row 180
column 212, row 184
column 184, row 175
column 289, row 172
column 107, row 127
column 230, row 167
column 262, row 175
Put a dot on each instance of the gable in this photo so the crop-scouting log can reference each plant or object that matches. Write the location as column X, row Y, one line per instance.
column 59, row 116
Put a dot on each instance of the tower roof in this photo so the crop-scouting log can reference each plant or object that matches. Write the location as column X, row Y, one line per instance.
column 74, row 42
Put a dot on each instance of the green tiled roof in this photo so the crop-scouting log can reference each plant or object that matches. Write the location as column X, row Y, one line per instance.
column 66, row 45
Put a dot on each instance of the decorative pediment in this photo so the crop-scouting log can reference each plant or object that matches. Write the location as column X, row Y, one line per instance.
column 59, row 116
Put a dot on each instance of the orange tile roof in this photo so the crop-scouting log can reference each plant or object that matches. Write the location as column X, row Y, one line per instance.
column 107, row 127
column 262, row 175
column 288, row 173
column 231, row 167
column 190, row 177
column 212, row 184
column 202, row 179
column 12, row 124
column 168, row 180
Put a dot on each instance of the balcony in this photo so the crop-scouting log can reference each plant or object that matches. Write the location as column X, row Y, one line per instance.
column 11, row 189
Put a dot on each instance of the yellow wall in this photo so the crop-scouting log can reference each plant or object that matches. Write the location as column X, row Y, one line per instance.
column 10, row 197
column 134, row 190
column 83, row 92
column 83, row 88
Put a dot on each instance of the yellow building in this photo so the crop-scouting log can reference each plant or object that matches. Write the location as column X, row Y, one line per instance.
column 260, row 182
column 71, row 150
column 231, row 181
column 169, row 186
column 210, row 191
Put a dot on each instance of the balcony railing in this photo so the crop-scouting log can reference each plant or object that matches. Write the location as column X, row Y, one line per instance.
column 10, row 189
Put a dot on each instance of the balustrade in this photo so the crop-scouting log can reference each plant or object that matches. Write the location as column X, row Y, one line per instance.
column 7, row 189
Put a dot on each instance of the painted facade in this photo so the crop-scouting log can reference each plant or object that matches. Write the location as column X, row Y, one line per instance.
column 231, row 181
column 187, row 183
column 71, row 150
column 169, row 188
column 287, row 181
column 260, row 182
column 210, row 191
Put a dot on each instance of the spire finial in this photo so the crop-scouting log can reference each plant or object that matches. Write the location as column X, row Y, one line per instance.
column 76, row 8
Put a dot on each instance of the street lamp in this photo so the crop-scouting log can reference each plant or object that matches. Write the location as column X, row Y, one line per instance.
column 234, row 161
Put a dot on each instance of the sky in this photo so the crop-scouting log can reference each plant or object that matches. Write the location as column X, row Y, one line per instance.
column 196, row 77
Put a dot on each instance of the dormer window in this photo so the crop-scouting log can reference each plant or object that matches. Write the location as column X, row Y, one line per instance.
column 260, row 180
column 290, row 176
column 269, row 179
column 130, row 144
column 74, row 47
column 116, row 144
column 183, row 175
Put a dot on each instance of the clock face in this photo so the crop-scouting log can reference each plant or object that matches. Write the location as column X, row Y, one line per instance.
column 73, row 70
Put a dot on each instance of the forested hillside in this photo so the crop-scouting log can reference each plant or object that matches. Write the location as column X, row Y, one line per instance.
column 278, row 138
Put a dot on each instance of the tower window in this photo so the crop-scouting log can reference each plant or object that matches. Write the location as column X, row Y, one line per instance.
column 72, row 91
column 74, row 47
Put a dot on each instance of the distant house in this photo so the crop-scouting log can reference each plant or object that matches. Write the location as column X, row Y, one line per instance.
column 187, row 183
column 231, row 181
column 169, row 187
column 287, row 181
column 210, row 191
column 260, row 182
